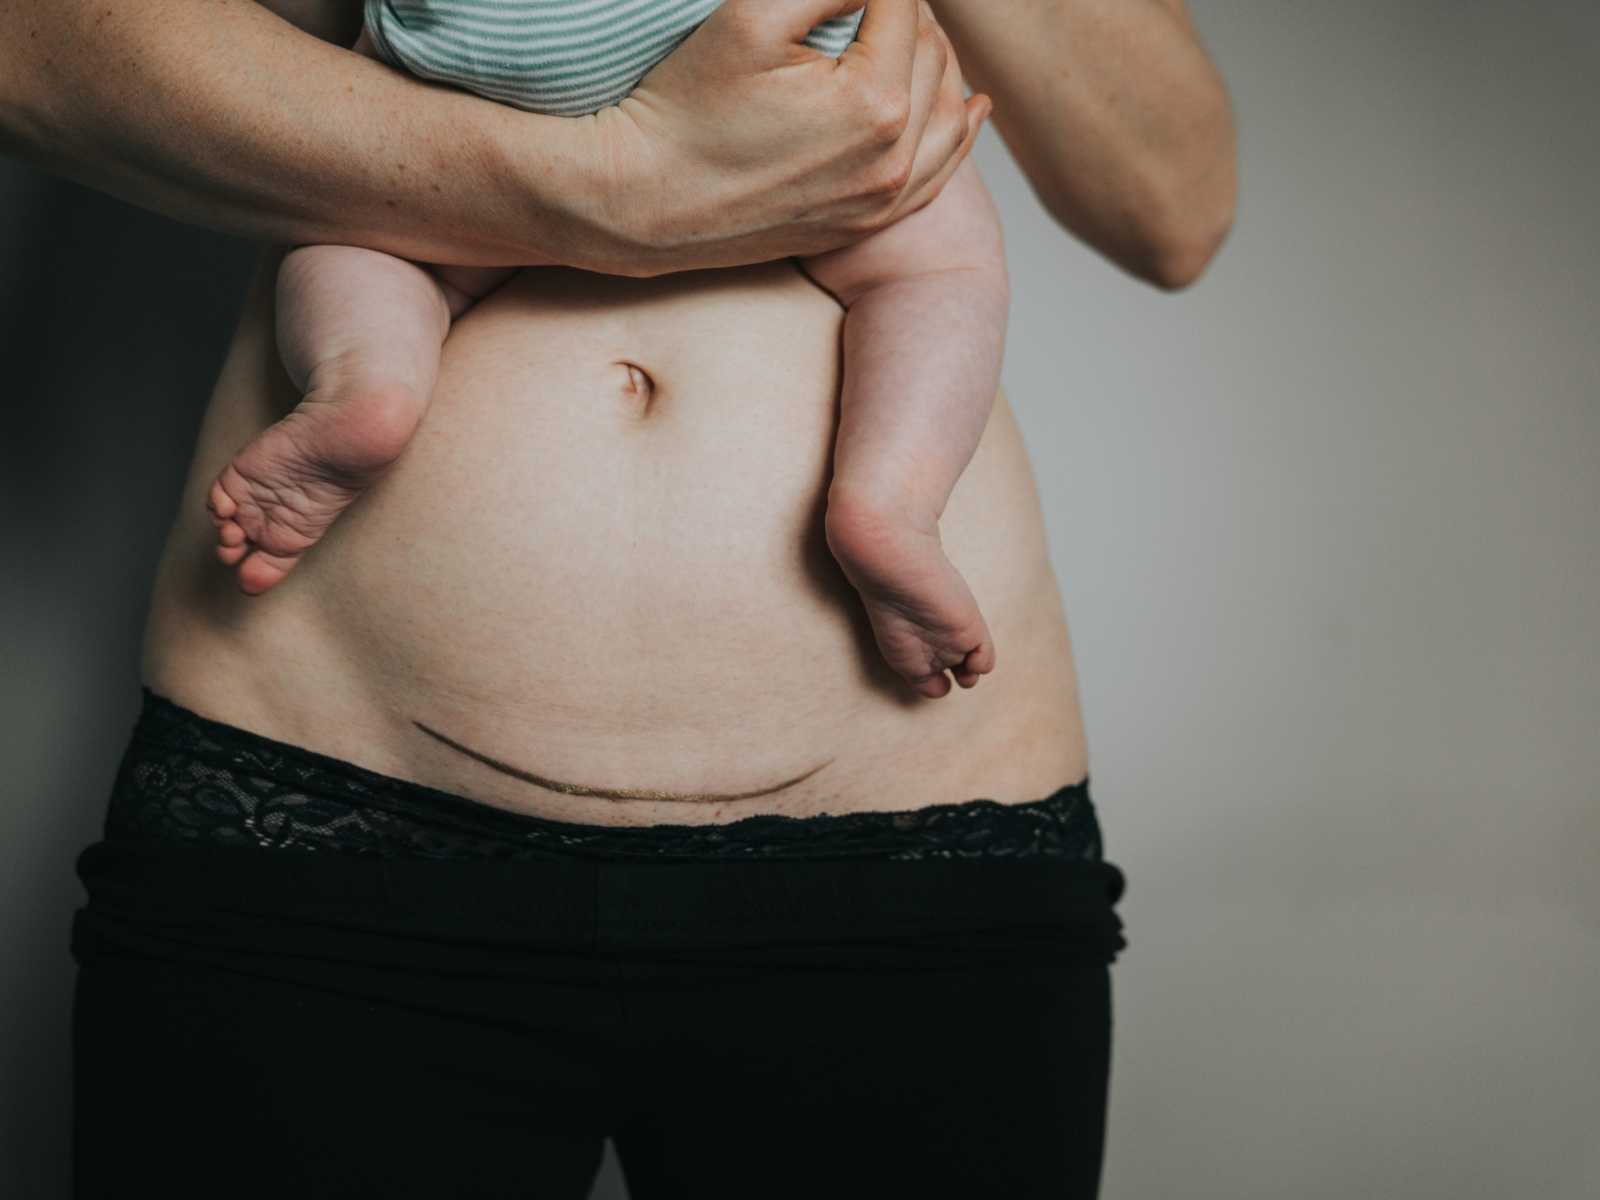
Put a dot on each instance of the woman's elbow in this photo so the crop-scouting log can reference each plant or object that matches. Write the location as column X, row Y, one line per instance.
column 1191, row 189
column 1163, row 219
column 1186, row 215
column 1166, row 235
column 1180, row 254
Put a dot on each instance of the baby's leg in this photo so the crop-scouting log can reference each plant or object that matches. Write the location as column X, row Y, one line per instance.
column 927, row 302
column 359, row 332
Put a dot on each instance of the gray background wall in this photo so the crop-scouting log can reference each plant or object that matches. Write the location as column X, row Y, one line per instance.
column 1326, row 526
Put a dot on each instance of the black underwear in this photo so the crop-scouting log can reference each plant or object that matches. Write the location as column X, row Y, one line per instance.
column 186, row 778
column 767, row 1004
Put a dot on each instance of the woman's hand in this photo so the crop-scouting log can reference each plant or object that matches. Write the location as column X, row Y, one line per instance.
column 745, row 145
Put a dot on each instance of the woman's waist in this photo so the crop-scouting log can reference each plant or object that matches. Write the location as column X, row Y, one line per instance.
column 558, row 603
column 581, row 668
column 567, row 716
column 278, row 844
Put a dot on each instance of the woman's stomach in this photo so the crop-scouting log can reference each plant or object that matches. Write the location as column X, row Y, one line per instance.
column 591, row 601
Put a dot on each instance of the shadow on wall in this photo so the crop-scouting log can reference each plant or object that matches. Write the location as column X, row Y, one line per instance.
column 115, row 321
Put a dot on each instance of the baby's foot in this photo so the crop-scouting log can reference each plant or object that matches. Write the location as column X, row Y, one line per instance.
column 282, row 491
column 922, row 612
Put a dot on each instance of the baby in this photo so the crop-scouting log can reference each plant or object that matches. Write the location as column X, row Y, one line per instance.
column 926, row 300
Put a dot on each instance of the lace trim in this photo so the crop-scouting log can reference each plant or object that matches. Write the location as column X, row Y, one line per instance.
column 187, row 778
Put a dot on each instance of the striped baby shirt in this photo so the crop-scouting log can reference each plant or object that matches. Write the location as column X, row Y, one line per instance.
column 560, row 57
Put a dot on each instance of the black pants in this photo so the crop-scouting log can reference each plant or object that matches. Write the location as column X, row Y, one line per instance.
column 289, row 1018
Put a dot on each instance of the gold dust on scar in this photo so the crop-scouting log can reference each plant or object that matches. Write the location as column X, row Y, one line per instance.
column 580, row 789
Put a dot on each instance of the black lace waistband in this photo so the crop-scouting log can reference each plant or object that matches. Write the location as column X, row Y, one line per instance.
column 186, row 778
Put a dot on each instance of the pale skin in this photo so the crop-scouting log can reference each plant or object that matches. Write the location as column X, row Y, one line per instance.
column 926, row 299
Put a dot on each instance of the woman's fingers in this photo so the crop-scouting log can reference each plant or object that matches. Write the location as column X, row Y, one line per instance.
column 773, row 28
column 918, row 194
column 886, row 43
column 949, row 127
column 930, row 73
column 864, row 139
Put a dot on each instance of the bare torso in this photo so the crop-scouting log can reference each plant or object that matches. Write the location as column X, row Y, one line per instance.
column 566, row 601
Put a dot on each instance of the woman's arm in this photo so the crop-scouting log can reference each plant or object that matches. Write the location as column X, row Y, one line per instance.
column 1117, row 116
column 221, row 113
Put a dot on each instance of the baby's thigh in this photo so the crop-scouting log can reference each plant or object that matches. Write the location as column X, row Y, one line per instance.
column 958, row 229
column 464, row 286
column 334, row 300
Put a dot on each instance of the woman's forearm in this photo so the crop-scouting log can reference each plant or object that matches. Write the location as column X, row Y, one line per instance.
column 220, row 113
column 1117, row 116
column 740, row 147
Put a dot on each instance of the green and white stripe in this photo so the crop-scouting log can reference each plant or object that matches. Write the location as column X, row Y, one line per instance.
column 561, row 57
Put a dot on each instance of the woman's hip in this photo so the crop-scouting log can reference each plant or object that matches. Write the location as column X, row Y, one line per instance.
column 355, row 982
column 223, row 846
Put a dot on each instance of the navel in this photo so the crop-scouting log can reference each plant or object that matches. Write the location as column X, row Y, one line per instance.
column 639, row 388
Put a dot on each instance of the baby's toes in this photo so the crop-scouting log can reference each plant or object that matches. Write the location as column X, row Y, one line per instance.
column 232, row 544
column 978, row 663
column 931, row 686
column 230, row 533
column 221, row 505
column 230, row 555
column 264, row 570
